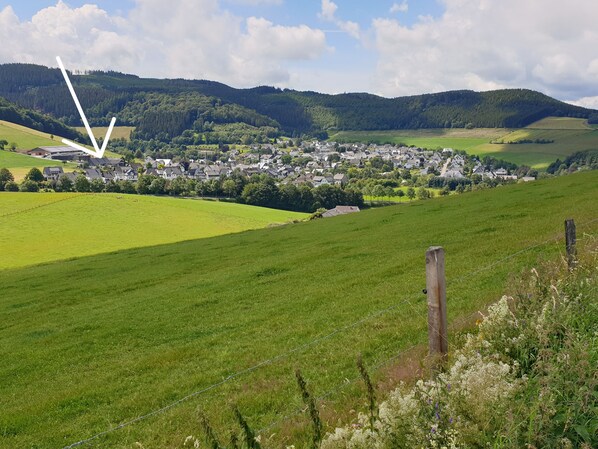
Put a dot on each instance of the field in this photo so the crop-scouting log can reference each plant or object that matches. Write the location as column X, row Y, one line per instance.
column 460, row 139
column 27, row 139
column 52, row 226
column 569, row 135
column 401, row 199
column 91, row 343
column 19, row 164
column 118, row 132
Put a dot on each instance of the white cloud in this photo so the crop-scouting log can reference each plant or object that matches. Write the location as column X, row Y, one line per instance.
column 187, row 38
column 547, row 45
column 328, row 10
column 586, row 102
column 399, row 7
column 328, row 13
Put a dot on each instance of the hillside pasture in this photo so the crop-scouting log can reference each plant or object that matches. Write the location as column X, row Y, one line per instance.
column 569, row 138
column 569, row 135
column 460, row 139
column 118, row 132
column 90, row 343
column 44, row 227
column 20, row 164
column 26, row 138
column 560, row 123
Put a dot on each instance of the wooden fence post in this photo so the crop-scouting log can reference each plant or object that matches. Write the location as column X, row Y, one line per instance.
column 570, row 241
column 436, row 291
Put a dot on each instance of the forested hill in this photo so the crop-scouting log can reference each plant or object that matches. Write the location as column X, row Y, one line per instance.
column 41, row 122
column 167, row 108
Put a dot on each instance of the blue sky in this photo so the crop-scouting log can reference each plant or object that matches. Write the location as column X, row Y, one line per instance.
column 288, row 13
column 387, row 47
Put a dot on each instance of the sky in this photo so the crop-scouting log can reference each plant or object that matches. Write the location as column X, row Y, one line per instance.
column 386, row 47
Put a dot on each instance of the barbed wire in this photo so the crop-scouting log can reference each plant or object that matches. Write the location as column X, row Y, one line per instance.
column 375, row 367
column 406, row 300
column 240, row 373
column 336, row 389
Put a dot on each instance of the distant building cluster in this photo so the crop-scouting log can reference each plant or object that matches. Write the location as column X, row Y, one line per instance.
column 319, row 166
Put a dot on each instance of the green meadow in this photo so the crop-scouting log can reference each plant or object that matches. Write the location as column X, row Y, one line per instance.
column 27, row 139
column 44, row 227
column 461, row 139
column 569, row 135
column 118, row 132
column 12, row 160
column 90, row 343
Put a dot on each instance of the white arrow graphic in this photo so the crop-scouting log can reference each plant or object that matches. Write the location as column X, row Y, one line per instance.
column 99, row 152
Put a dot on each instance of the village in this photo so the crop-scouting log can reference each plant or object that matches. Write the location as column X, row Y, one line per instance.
column 313, row 162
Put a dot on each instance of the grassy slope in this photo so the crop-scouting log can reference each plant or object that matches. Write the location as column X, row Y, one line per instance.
column 569, row 135
column 27, row 139
column 44, row 227
column 461, row 139
column 119, row 132
column 89, row 343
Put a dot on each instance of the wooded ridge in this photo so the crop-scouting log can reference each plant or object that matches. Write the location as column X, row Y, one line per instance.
column 166, row 108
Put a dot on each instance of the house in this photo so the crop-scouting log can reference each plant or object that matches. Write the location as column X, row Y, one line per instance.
column 212, row 172
column 92, row 173
column 452, row 174
column 478, row 170
column 340, row 179
column 125, row 174
column 53, row 173
column 171, row 173
column 320, row 181
column 340, row 210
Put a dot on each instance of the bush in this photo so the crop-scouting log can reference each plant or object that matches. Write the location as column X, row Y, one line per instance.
column 5, row 176
column 29, row 186
column 34, row 175
column 526, row 379
column 11, row 186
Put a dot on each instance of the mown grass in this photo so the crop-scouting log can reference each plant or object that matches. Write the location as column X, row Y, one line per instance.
column 461, row 139
column 43, row 227
column 11, row 160
column 401, row 199
column 569, row 135
column 118, row 132
column 90, row 343
column 26, row 138
column 560, row 123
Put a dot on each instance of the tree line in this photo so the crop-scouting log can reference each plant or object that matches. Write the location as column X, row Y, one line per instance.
column 257, row 190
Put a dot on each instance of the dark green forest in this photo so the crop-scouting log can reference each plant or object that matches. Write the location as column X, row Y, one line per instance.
column 35, row 120
column 199, row 111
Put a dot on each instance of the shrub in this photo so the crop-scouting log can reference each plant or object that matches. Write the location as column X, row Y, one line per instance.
column 29, row 186
column 11, row 186
column 526, row 379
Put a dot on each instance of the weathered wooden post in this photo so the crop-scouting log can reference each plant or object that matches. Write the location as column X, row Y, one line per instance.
column 436, row 291
column 570, row 241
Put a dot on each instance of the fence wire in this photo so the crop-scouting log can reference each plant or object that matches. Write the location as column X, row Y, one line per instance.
column 300, row 348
